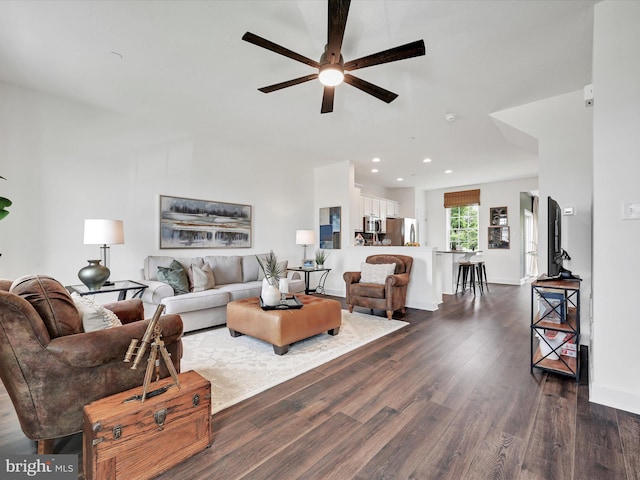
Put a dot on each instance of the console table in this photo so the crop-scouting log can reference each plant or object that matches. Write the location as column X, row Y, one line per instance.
column 120, row 286
column 307, row 273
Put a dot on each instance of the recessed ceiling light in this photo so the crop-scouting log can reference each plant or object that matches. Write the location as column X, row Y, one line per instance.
column 450, row 117
column 376, row 160
column 374, row 170
column 448, row 171
column 400, row 179
column 426, row 160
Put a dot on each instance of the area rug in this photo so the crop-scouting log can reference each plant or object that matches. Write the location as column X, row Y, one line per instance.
column 241, row 367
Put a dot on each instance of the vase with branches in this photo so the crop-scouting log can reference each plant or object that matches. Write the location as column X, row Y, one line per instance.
column 271, row 268
column 272, row 272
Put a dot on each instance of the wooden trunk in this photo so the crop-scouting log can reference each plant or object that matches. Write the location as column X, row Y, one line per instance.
column 134, row 439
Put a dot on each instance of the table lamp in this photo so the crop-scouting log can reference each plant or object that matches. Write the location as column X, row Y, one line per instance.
column 304, row 238
column 105, row 233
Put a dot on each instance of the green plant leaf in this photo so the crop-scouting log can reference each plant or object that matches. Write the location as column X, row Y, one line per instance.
column 321, row 256
column 4, row 202
column 270, row 266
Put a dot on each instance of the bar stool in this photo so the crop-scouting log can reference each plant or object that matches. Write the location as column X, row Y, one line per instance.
column 466, row 269
column 481, row 271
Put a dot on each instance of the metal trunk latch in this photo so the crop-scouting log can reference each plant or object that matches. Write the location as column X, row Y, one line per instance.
column 196, row 400
column 160, row 416
column 117, row 432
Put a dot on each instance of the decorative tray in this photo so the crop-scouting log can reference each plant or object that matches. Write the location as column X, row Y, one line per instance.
column 289, row 303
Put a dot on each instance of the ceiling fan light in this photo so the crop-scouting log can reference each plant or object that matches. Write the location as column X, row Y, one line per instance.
column 331, row 75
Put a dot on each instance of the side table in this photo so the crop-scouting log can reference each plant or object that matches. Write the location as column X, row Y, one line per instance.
column 120, row 286
column 307, row 273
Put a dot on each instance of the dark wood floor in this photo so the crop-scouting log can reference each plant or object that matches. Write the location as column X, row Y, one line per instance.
column 450, row 396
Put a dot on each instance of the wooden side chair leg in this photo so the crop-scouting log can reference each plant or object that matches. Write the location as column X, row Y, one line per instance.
column 45, row 447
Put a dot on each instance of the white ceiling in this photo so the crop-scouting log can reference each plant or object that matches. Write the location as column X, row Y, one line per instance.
column 183, row 63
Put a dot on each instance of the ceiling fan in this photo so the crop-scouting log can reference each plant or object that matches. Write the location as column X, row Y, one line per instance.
column 331, row 67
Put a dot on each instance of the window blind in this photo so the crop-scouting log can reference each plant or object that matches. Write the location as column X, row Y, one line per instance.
column 462, row 199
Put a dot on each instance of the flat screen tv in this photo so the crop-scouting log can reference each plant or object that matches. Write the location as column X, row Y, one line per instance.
column 554, row 240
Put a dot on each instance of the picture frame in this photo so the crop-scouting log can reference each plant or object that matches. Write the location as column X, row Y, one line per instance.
column 193, row 223
column 330, row 227
column 551, row 307
column 499, row 237
column 498, row 217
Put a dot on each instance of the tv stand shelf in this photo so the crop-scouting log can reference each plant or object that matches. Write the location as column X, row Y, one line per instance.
column 555, row 310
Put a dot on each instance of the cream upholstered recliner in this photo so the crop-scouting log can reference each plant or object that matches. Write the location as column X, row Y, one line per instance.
column 51, row 368
column 389, row 295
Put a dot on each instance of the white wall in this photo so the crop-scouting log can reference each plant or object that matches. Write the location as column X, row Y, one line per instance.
column 406, row 199
column 333, row 188
column 615, row 372
column 503, row 265
column 65, row 162
column 563, row 127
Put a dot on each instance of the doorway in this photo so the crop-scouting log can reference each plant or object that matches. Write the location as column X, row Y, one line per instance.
column 531, row 239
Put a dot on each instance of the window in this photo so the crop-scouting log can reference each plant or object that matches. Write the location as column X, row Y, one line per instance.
column 462, row 227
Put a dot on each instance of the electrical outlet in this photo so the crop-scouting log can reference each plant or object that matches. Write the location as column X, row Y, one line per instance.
column 631, row 211
column 588, row 96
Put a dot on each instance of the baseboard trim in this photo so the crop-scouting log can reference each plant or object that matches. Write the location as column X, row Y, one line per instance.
column 627, row 401
column 421, row 305
column 505, row 281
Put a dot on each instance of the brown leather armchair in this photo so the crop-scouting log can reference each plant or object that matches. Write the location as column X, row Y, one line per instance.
column 51, row 368
column 390, row 296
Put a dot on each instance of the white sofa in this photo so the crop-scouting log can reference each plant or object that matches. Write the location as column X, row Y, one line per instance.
column 236, row 277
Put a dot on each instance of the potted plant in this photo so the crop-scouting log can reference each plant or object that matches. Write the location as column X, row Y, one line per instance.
column 270, row 267
column 4, row 203
column 321, row 257
column 272, row 272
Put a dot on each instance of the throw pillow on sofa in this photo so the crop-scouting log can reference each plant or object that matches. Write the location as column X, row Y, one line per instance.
column 202, row 278
column 176, row 276
column 94, row 317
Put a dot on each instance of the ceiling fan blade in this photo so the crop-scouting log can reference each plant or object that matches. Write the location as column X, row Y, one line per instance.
column 378, row 92
column 337, row 21
column 288, row 83
column 274, row 47
column 327, row 100
column 413, row 49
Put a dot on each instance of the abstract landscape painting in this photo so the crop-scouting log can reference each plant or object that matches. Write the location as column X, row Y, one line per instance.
column 190, row 223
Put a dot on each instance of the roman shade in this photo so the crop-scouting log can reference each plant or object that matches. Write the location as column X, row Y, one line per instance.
column 462, row 199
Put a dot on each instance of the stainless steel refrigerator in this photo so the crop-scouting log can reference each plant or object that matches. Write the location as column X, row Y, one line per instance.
column 401, row 230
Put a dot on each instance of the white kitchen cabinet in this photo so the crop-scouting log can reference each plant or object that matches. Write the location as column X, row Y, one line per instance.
column 392, row 208
column 370, row 206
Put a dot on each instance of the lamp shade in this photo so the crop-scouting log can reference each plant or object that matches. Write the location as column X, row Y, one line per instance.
column 103, row 232
column 305, row 237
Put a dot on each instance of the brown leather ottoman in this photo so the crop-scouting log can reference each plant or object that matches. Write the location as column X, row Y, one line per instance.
column 281, row 328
